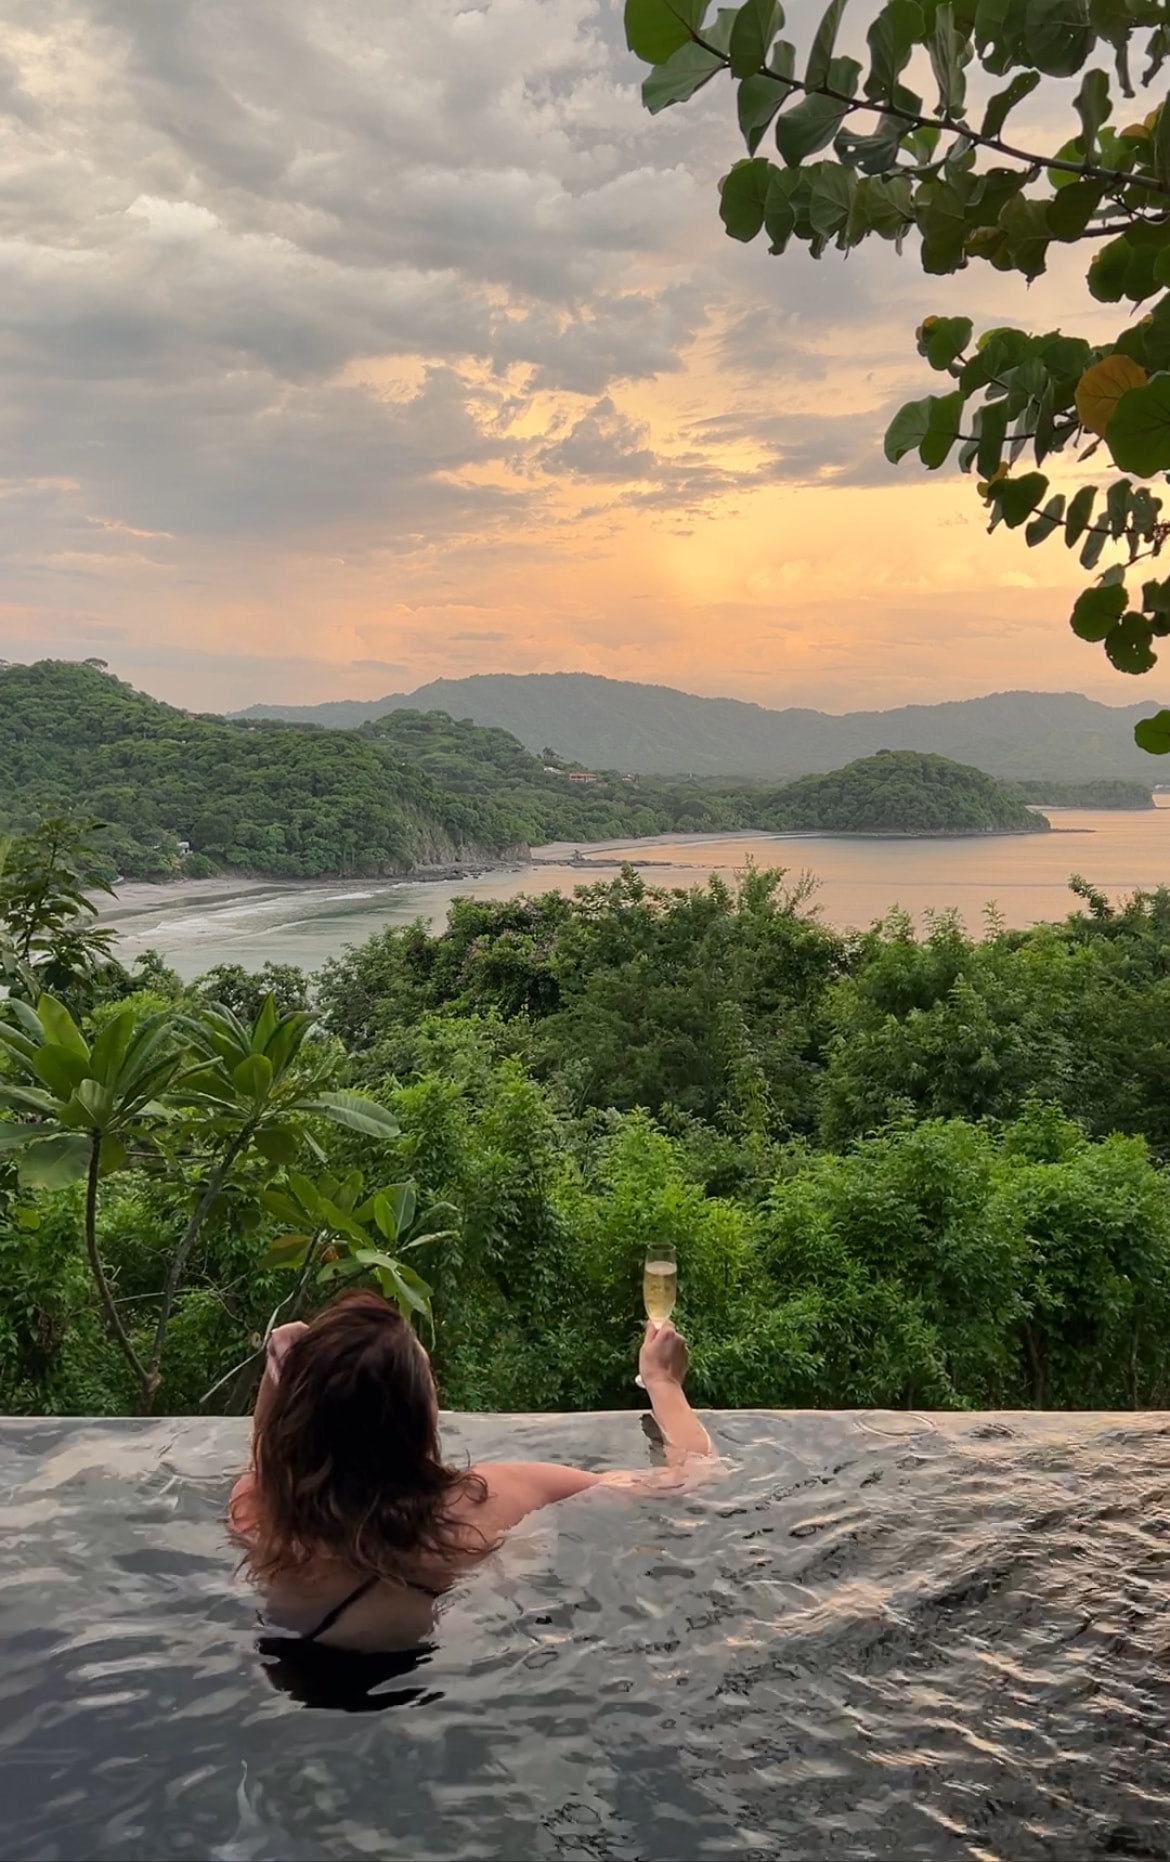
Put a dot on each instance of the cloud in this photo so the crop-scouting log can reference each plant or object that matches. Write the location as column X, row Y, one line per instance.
column 602, row 444
column 327, row 330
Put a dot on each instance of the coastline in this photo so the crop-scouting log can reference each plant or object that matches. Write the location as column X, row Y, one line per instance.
column 135, row 896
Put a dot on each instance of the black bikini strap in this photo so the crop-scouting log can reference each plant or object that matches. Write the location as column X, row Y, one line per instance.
column 339, row 1609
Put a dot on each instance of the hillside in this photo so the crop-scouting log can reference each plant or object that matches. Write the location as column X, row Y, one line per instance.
column 1106, row 793
column 650, row 729
column 269, row 798
column 197, row 795
column 900, row 792
column 290, row 802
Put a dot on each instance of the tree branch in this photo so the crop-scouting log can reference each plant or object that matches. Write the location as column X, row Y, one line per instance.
column 1087, row 171
column 97, row 1268
column 215, row 1183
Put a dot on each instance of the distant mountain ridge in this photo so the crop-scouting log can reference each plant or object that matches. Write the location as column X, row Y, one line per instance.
column 654, row 730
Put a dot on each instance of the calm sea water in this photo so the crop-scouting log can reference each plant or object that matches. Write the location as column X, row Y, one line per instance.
column 873, row 1636
column 1024, row 876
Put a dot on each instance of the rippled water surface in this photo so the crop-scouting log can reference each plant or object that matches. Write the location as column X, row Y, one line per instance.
column 872, row 1636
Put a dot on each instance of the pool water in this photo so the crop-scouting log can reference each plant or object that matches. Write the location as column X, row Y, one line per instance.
column 874, row 1635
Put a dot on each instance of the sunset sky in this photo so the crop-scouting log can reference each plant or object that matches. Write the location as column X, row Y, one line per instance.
column 355, row 343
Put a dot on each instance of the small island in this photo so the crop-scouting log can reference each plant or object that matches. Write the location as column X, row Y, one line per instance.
column 900, row 792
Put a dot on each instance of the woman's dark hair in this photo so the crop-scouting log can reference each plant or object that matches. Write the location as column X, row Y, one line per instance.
column 347, row 1462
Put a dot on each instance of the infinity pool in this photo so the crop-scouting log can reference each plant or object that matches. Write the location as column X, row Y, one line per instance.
column 874, row 1635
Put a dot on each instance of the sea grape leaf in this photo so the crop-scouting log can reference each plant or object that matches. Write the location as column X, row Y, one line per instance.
column 1101, row 388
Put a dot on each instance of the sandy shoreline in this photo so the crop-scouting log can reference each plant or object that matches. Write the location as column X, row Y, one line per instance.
column 138, row 896
column 142, row 895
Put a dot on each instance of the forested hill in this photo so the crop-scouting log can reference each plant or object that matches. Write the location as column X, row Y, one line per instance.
column 411, row 790
column 901, row 792
column 269, row 798
column 650, row 729
column 291, row 802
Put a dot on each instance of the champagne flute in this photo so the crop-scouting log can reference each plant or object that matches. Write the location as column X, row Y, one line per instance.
column 659, row 1285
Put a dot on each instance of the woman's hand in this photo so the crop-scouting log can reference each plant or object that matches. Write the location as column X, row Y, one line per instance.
column 279, row 1342
column 663, row 1355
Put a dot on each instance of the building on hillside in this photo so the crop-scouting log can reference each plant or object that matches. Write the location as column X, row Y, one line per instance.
column 583, row 775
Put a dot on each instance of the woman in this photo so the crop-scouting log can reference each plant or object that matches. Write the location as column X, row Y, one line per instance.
column 351, row 1523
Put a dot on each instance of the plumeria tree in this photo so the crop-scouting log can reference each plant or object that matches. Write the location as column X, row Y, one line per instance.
column 199, row 1099
column 842, row 148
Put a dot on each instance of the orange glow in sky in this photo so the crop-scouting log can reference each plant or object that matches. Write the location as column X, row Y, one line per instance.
column 346, row 352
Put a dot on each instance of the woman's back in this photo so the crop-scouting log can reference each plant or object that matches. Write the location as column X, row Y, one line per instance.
column 352, row 1525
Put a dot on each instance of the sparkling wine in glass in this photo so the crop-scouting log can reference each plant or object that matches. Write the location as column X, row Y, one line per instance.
column 659, row 1285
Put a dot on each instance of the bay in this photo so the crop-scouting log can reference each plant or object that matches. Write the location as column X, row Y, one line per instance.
column 1024, row 878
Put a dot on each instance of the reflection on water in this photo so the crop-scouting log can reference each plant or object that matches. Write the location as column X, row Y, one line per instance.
column 1025, row 876
column 876, row 1636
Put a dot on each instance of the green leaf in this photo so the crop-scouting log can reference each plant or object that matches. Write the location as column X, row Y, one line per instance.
column 895, row 32
column 991, row 422
column 27, row 1017
column 873, row 155
column 1050, row 519
column 1094, row 106
column 947, row 50
column 809, row 126
column 54, row 1163
column 1097, row 610
column 785, row 187
column 1128, row 645
column 1017, row 499
column 1025, row 223
column 265, row 1025
column 887, row 206
column 684, row 73
column 1057, row 35
column 655, row 29
column 1117, row 501
column 280, row 1144
column 1139, row 432
column 356, row 1113
column 824, row 42
column 112, row 1156
column 743, row 193
column 285, row 1206
column 61, row 1029
column 944, row 224
column 111, row 1045
column 1156, row 597
column 98, row 1102
column 831, row 197
column 942, row 339
column 285, row 1251
column 757, row 102
column 15, row 1137
column 252, row 1078
column 1126, row 267
column 1004, row 102
column 27, row 1099
column 1079, row 512
column 394, row 1209
column 1153, row 734
column 1069, row 212
column 942, row 428
column 307, row 1195
column 1160, row 150
column 756, row 25
column 400, row 1283
column 59, row 1068
column 907, row 429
